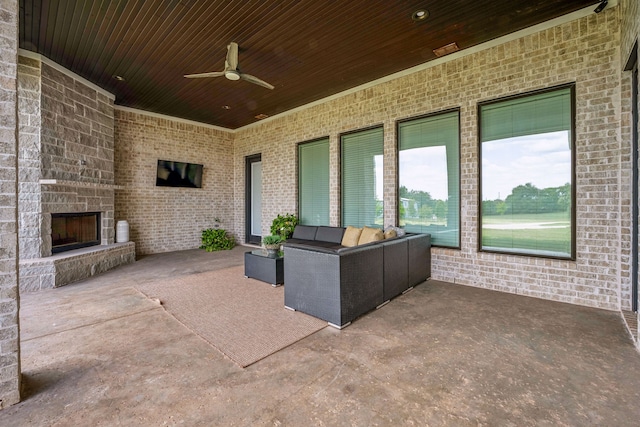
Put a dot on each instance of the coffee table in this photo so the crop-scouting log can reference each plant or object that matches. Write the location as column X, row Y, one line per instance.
column 258, row 264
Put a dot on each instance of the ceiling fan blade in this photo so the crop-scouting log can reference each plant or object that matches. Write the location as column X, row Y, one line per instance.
column 232, row 56
column 253, row 79
column 211, row 74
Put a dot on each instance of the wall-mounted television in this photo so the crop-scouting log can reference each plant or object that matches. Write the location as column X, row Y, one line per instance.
column 178, row 174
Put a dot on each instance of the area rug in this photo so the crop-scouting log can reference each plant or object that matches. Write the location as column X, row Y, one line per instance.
column 243, row 318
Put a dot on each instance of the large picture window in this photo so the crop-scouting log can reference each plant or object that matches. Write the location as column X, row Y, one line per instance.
column 362, row 178
column 527, row 185
column 313, row 182
column 429, row 177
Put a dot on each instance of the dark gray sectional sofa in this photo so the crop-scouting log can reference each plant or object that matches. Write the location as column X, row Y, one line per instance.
column 338, row 284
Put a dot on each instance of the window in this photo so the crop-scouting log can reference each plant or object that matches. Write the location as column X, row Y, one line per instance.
column 429, row 177
column 313, row 182
column 526, row 151
column 362, row 175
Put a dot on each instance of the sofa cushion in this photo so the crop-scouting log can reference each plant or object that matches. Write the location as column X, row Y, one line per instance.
column 330, row 234
column 315, row 246
column 351, row 236
column 390, row 233
column 370, row 234
column 301, row 241
column 399, row 230
column 305, row 232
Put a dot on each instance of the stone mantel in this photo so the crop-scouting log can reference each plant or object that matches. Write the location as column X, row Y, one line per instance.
column 68, row 183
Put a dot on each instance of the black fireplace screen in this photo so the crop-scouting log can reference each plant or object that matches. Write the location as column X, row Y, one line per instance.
column 74, row 230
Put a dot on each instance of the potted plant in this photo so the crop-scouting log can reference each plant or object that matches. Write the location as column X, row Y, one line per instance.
column 272, row 244
column 283, row 225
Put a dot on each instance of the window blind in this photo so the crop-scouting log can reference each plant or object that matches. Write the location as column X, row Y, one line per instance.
column 313, row 182
column 362, row 173
column 531, row 115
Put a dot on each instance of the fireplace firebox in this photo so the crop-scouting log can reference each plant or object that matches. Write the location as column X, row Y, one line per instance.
column 74, row 230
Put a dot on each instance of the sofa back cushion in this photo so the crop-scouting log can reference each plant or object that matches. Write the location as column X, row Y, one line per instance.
column 370, row 234
column 351, row 236
column 305, row 232
column 330, row 234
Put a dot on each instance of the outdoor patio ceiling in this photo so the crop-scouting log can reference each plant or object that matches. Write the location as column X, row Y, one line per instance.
column 139, row 50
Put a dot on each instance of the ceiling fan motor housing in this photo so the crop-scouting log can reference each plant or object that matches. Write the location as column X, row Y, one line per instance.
column 232, row 75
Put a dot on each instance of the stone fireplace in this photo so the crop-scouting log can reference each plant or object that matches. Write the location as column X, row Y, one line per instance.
column 65, row 177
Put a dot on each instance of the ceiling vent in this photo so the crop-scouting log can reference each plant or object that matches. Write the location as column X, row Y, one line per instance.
column 447, row 49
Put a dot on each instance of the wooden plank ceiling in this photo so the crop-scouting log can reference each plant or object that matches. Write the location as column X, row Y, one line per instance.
column 307, row 49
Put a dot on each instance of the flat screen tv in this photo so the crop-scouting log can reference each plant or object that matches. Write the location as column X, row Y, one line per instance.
column 178, row 174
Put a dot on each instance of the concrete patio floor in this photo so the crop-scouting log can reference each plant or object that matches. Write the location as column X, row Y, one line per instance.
column 96, row 353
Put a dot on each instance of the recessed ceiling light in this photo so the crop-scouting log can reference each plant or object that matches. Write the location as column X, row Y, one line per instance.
column 261, row 116
column 420, row 15
column 226, row 107
column 118, row 78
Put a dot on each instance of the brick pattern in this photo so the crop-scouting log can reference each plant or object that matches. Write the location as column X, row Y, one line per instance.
column 29, row 162
column 585, row 51
column 66, row 134
column 630, row 23
column 77, row 145
column 9, row 330
column 163, row 219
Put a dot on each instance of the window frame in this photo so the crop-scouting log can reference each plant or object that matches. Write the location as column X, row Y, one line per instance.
column 397, row 177
column 572, row 132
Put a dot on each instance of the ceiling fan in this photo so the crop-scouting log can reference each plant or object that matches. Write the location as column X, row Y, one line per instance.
column 231, row 70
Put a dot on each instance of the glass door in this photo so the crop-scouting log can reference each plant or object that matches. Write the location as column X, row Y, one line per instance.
column 253, row 199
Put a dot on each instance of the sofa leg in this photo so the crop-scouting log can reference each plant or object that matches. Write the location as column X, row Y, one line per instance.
column 383, row 304
column 338, row 327
column 289, row 308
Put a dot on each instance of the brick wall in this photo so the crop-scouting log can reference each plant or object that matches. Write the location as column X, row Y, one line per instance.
column 630, row 34
column 585, row 51
column 163, row 219
column 29, row 162
column 9, row 330
column 630, row 24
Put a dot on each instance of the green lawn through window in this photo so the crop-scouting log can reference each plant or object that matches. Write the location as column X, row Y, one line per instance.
column 550, row 233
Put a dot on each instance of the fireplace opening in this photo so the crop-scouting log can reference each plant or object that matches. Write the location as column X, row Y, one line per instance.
column 74, row 230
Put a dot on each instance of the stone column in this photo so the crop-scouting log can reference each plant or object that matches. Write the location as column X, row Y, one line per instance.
column 9, row 299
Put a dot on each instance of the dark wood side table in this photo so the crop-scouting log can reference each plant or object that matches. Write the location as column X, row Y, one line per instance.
column 259, row 265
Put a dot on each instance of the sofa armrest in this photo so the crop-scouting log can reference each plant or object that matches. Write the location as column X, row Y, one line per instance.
column 334, row 287
column 419, row 258
column 396, row 267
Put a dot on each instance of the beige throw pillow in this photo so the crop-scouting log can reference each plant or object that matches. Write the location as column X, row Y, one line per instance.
column 351, row 236
column 370, row 234
column 390, row 234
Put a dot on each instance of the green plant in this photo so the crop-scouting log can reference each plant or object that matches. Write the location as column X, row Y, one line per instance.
column 216, row 239
column 273, row 241
column 283, row 225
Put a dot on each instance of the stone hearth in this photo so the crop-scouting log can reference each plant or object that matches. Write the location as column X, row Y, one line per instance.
column 68, row 267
